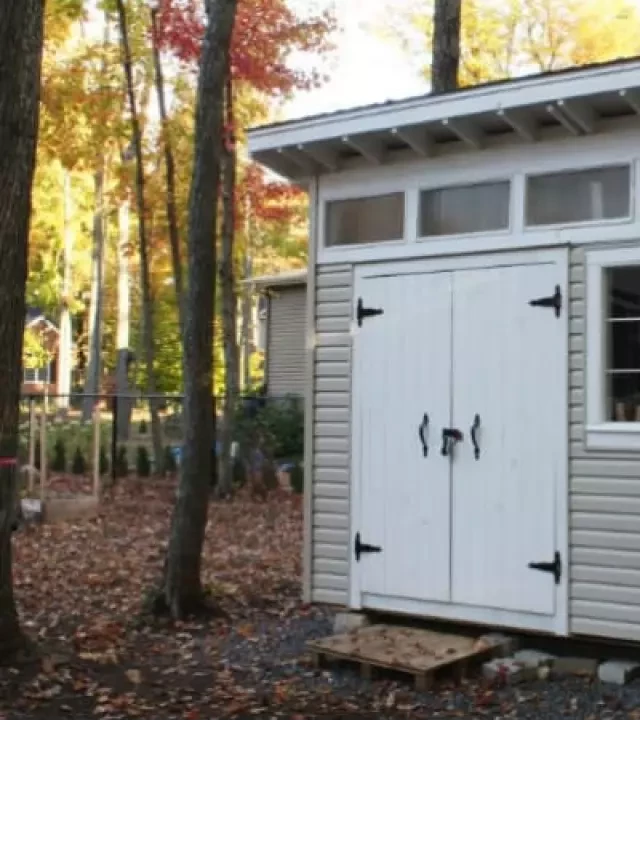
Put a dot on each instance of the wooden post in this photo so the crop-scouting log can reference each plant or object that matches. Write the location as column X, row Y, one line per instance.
column 96, row 450
column 33, row 424
column 43, row 450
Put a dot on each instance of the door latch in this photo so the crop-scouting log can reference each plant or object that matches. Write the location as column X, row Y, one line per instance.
column 450, row 436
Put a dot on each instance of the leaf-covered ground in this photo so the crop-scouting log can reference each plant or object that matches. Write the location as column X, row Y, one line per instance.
column 80, row 589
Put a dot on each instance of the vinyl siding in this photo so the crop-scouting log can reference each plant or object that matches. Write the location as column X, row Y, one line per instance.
column 331, row 436
column 285, row 343
column 604, row 506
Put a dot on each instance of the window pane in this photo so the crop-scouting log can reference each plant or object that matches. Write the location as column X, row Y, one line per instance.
column 624, row 292
column 365, row 220
column 623, row 396
column 578, row 196
column 463, row 210
column 624, row 345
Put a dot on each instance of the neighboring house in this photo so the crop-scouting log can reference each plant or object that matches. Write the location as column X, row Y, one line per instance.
column 281, row 330
column 473, row 396
column 36, row 380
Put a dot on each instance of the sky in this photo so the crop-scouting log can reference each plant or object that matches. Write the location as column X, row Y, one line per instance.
column 366, row 68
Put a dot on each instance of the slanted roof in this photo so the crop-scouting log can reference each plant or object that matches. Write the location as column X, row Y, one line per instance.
column 290, row 278
column 577, row 101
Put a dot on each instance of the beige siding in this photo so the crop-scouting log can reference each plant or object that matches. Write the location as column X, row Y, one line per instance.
column 604, row 507
column 285, row 344
column 331, row 428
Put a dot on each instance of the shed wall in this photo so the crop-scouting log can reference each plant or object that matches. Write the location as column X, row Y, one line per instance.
column 285, row 341
column 604, row 518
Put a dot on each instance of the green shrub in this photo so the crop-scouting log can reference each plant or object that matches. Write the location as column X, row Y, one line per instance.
column 239, row 472
column 296, row 478
column 277, row 427
column 269, row 475
column 79, row 464
column 143, row 464
column 170, row 466
column 122, row 462
column 104, row 460
column 59, row 462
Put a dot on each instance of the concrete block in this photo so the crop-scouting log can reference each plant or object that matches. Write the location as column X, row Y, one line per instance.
column 618, row 671
column 575, row 666
column 506, row 671
column 349, row 620
column 533, row 658
column 69, row 508
column 501, row 644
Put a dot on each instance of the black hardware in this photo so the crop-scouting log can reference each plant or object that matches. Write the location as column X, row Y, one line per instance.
column 554, row 301
column 475, row 426
column 422, row 433
column 362, row 312
column 555, row 568
column 361, row 547
column 449, row 438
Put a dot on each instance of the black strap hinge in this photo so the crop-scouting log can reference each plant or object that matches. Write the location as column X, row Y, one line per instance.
column 361, row 547
column 554, row 568
column 554, row 301
column 362, row 312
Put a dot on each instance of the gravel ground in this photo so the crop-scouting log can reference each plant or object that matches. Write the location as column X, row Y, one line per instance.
column 277, row 651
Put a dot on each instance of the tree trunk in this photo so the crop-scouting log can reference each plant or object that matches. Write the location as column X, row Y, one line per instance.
column 21, row 37
column 170, row 170
column 445, row 61
column 248, row 297
column 229, row 301
column 92, row 381
column 65, row 342
column 182, row 590
column 122, row 324
column 147, row 299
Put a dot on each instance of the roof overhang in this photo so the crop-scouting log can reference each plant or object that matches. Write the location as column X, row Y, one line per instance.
column 290, row 278
column 577, row 102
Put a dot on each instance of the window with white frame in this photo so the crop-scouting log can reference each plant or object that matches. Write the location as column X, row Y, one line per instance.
column 613, row 349
column 370, row 219
column 464, row 209
column 578, row 196
column 37, row 374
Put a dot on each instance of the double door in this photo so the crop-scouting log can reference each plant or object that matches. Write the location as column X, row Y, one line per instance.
column 460, row 442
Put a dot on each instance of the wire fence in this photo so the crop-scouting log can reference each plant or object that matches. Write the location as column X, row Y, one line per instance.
column 125, row 429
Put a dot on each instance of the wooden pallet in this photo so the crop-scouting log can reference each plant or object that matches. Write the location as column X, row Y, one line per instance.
column 413, row 651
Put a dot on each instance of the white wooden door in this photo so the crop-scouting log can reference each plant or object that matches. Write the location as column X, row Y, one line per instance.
column 509, row 370
column 401, row 372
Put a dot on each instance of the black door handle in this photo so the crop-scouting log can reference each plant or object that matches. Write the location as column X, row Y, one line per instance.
column 422, row 433
column 449, row 437
column 475, row 426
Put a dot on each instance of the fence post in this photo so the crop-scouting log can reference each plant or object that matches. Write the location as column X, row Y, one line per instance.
column 114, row 436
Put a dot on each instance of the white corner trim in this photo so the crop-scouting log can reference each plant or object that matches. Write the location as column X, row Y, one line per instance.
column 613, row 436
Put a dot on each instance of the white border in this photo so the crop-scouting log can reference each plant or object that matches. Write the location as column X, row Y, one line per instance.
column 601, row 434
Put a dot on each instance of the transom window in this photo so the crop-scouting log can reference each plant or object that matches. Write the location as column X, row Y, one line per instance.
column 371, row 219
column 464, row 209
column 578, row 196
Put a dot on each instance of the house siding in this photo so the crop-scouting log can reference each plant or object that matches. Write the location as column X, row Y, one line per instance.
column 604, row 505
column 604, row 487
column 331, row 436
column 286, row 338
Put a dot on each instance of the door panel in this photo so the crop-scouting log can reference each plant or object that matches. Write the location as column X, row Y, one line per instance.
column 402, row 364
column 508, row 369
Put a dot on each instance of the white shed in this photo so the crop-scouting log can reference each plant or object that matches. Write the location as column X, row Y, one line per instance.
column 473, row 352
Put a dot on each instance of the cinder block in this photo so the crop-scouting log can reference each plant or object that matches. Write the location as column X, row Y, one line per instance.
column 501, row 644
column 507, row 671
column 618, row 671
column 533, row 658
column 575, row 666
column 349, row 620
